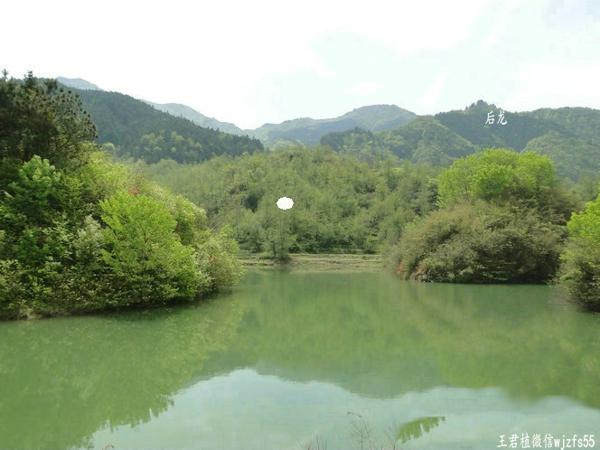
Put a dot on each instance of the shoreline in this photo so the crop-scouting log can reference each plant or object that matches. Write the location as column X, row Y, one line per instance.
column 317, row 262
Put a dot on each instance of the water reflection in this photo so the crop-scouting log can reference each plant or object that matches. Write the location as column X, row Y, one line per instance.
column 417, row 428
column 381, row 337
column 251, row 411
column 287, row 355
column 63, row 379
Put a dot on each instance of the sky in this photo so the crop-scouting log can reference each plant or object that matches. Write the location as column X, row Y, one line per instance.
column 266, row 61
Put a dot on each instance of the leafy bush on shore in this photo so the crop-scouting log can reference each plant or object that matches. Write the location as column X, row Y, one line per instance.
column 581, row 261
column 479, row 243
column 505, row 177
column 79, row 233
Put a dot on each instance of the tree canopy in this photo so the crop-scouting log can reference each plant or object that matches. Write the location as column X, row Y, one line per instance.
column 581, row 261
column 41, row 118
column 79, row 233
column 139, row 131
column 506, row 177
column 341, row 204
column 502, row 219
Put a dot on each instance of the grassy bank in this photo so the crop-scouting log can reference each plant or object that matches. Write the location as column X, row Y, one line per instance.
column 316, row 262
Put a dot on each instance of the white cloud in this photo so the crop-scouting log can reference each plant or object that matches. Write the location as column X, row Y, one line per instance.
column 432, row 95
column 554, row 85
column 253, row 62
column 363, row 89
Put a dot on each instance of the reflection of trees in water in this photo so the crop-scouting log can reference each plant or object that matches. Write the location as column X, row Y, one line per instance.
column 83, row 374
column 381, row 337
column 363, row 436
column 63, row 379
column 417, row 428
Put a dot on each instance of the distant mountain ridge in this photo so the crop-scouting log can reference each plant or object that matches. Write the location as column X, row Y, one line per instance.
column 78, row 83
column 310, row 131
column 569, row 136
column 423, row 140
column 179, row 110
column 137, row 130
column 304, row 131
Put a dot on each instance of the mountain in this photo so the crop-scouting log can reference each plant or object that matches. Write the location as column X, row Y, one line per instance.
column 152, row 131
column 179, row 110
column 78, row 83
column 569, row 136
column 304, row 131
column 175, row 109
column 309, row 131
column 427, row 140
column 423, row 140
column 379, row 117
column 139, row 131
column 520, row 128
column 573, row 157
column 575, row 149
column 581, row 122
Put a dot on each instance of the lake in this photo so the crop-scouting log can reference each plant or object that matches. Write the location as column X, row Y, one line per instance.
column 292, row 360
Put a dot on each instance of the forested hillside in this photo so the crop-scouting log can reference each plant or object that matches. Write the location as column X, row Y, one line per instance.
column 583, row 123
column 78, row 83
column 341, row 205
column 520, row 127
column 79, row 233
column 423, row 140
column 309, row 131
column 574, row 158
column 139, row 131
column 179, row 110
column 569, row 136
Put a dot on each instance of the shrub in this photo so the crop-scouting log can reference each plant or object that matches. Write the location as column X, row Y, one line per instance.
column 581, row 261
column 479, row 243
column 145, row 257
column 217, row 258
column 580, row 273
column 503, row 177
column 139, row 246
column 79, row 233
column 42, row 118
column 11, row 290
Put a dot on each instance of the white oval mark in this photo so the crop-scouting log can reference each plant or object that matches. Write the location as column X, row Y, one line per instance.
column 285, row 203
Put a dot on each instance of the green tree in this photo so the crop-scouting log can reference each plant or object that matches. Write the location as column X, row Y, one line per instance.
column 586, row 225
column 343, row 205
column 44, row 119
column 581, row 260
column 79, row 233
column 505, row 177
column 479, row 243
column 143, row 252
column 138, row 131
column 498, row 175
column 37, row 195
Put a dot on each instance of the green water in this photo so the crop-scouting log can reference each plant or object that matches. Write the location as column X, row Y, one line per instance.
column 291, row 359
